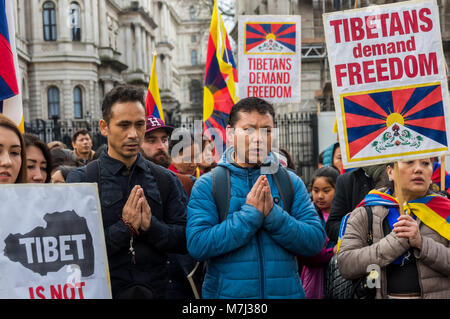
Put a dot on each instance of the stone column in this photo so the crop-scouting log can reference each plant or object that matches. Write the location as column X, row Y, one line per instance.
column 103, row 24
column 64, row 22
column 36, row 21
column 145, row 65
column 128, row 46
column 66, row 101
column 86, row 22
column 138, row 33
column 96, row 20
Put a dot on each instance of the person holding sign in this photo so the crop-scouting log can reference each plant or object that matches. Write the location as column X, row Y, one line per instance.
column 143, row 204
column 411, row 248
column 13, row 161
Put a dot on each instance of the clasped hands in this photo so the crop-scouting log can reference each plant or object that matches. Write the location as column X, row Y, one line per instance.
column 137, row 211
column 408, row 228
column 260, row 196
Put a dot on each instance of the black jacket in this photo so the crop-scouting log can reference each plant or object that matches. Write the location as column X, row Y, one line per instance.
column 167, row 229
column 351, row 188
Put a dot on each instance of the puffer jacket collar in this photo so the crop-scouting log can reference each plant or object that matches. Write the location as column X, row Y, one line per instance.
column 228, row 162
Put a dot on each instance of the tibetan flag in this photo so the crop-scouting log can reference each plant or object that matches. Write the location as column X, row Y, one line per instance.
column 270, row 38
column 153, row 100
column 436, row 177
column 433, row 211
column 397, row 121
column 221, row 82
column 10, row 97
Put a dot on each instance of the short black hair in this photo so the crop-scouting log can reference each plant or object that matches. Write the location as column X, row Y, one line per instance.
column 248, row 105
column 121, row 94
column 81, row 131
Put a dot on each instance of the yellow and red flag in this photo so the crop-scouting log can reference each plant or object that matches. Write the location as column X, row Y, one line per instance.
column 153, row 101
column 221, row 80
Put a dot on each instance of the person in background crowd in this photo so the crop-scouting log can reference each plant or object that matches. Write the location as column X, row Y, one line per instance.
column 185, row 154
column 155, row 148
column 62, row 156
column 207, row 162
column 289, row 162
column 143, row 204
column 351, row 188
column 413, row 249
column 39, row 160
column 323, row 184
column 55, row 145
column 332, row 156
column 82, row 146
column 251, row 253
column 61, row 173
column 320, row 160
column 13, row 160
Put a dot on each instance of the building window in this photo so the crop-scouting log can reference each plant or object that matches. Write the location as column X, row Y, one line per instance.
column 53, row 102
column 75, row 21
column 192, row 12
column 194, row 60
column 195, row 92
column 77, row 103
column 193, row 38
column 49, row 17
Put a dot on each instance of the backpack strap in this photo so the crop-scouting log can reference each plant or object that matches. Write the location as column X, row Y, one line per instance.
column 221, row 176
column 161, row 180
column 92, row 170
column 285, row 187
column 343, row 227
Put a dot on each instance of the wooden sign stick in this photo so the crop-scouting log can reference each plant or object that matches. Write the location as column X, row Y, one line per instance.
column 398, row 189
column 442, row 173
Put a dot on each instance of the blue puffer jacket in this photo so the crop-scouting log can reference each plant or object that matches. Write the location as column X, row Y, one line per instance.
column 250, row 256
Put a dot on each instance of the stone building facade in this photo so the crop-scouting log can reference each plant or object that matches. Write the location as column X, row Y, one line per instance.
column 71, row 52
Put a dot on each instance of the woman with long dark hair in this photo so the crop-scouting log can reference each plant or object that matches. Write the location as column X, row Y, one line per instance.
column 12, row 153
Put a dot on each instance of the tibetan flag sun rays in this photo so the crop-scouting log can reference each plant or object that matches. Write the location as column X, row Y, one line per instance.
column 10, row 99
column 153, row 101
column 270, row 37
column 402, row 120
column 221, row 82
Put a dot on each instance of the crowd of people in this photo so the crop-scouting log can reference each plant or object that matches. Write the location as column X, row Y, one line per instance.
column 247, row 226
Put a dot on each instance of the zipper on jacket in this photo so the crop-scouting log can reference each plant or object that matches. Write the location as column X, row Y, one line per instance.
column 261, row 268
column 417, row 264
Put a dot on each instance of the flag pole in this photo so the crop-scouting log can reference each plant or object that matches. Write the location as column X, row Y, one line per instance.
column 398, row 189
column 442, row 173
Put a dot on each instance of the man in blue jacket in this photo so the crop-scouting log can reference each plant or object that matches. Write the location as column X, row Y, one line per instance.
column 251, row 254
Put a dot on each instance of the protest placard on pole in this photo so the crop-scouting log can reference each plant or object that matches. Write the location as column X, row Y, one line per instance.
column 270, row 57
column 389, row 82
column 52, row 244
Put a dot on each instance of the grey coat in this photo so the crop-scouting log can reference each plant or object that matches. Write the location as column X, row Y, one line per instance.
column 433, row 260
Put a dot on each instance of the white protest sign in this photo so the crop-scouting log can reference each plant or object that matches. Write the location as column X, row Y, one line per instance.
column 52, row 244
column 389, row 82
column 270, row 57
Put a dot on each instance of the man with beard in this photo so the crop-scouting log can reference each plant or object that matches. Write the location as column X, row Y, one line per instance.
column 155, row 148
